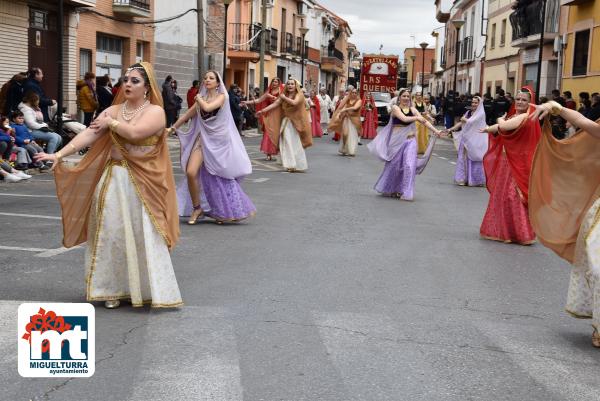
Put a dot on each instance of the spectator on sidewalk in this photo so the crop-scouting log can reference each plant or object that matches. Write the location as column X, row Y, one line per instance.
column 7, row 142
column 178, row 99
column 22, row 157
column 104, row 91
column 11, row 93
column 170, row 103
column 569, row 101
column 33, row 84
column 192, row 92
column 35, row 122
column 9, row 174
column 88, row 98
column 501, row 105
column 585, row 104
column 235, row 106
column 24, row 139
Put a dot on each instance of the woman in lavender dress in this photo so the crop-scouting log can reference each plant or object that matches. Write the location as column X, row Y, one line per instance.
column 472, row 146
column 214, row 158
column 396, row 145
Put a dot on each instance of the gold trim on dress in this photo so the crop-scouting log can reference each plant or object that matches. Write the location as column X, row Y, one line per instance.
column 148, row 141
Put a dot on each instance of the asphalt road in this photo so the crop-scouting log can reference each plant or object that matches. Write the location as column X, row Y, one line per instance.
column 330, row 293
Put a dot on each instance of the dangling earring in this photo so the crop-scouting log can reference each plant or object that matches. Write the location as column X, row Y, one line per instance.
column 145, row 94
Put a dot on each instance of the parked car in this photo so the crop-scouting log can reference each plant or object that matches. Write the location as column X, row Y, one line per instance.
column 382, row 102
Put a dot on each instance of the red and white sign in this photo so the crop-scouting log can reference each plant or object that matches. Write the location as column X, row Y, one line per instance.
column 379, row 73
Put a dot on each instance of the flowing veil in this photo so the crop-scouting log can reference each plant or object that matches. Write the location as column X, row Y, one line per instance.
column 475, row 142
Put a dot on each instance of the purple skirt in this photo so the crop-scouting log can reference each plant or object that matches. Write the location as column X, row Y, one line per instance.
column 226, row 199
column 398, row 176
column 468, row 172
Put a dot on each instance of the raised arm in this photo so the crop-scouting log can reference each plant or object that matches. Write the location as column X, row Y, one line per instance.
column 270, row 107
column 425, row 121
column 210, row 106
column 572, row 116
column 512, row 123
column 294, row 102
column 185, row 117
column 152, row 120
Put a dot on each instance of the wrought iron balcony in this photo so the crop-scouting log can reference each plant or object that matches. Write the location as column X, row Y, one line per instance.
column 466, row 50
column 526, row 22
column 287, row 43
column 244, row 36
column 273, row 40
column 332, row 53
column 132, row 8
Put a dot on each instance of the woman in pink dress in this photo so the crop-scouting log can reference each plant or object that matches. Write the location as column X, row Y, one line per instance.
column 507, row 165
column 369, row 116
column 272, row 94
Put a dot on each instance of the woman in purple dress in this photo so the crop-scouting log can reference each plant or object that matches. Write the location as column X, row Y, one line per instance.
column 473, row 145
column 396, row 145
column 214, row 158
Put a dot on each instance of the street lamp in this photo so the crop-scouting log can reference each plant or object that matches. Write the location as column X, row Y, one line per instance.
column 412, row 72
column 303, row 30
column 458, row 23
column 423, row 46
column 226, row 3
column 540, row 54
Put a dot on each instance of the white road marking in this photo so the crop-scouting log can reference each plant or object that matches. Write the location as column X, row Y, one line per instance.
column 442, row 157
column 28, row 196
column 453, row 163
column 33, row 216
column 259, row 180
column 53, row 252
column 20, row 248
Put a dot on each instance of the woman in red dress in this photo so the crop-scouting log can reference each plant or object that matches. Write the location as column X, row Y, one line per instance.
column 272, row 94
column 315, row 115
column 369, row 116
column 507, row 165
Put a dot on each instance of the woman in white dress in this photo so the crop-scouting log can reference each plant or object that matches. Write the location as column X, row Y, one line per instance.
column 346, row 120
column 121, row 199
column 564, row 206
column 287, row 121
column 326, row 108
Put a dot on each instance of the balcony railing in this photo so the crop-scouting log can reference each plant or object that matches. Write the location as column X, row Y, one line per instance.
column 335, row 53
column 526, row 20
column 241, row 34
column 133, row 8
column 466, row 49
column 273, row 38
column 287, row 43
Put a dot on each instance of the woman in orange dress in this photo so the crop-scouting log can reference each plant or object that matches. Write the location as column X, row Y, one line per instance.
column 369, row 116
column 507, row 165
column 275, row 88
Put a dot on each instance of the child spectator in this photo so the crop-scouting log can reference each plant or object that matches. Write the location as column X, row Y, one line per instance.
column 23, row 159
column 6, row 141
column 24, row 139
column 10, row 174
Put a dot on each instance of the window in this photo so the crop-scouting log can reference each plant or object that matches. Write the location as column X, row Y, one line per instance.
column 139, row 52
column 580, row 52
column 493, row 39
column 503, row 33
column 109, row 44
column 85, row 62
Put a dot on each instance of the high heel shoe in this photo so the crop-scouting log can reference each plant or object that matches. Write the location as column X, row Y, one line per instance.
column 112, row 304
column 196, row 214
column 596, row 339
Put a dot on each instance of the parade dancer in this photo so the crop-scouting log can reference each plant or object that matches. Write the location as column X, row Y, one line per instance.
column 507, row 165
column 396, row 145
column 214, row 158
column 346, row 120
column 337, row 101
column 422, row 134
column 121, row 199
column 266, row 145
column 287, row 121
column 564, row 206
column 315, row 115
column 369, row 116
column 326, row 107
column 472, row 146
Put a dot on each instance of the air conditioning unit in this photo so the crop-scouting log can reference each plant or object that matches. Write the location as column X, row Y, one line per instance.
column 215, row 61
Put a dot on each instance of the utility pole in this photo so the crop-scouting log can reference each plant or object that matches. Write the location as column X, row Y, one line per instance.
column 59, row 101
column 200, row 15
column 263, row 44
column 540, row 56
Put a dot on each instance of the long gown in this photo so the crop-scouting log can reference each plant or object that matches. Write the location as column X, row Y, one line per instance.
column 472, row 147
column 564, row 206
column 225, row 164
column 507, row 166
column 325, row 105
column 370, row 117
column 422, row 131
column 396, row 145
column 315, row 120
column 291, row 131
column 266, row 145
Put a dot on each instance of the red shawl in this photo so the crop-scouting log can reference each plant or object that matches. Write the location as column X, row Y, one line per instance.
column 315, row 101
column 519, row 146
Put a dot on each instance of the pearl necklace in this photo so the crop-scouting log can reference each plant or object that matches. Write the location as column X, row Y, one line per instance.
column 129, row 114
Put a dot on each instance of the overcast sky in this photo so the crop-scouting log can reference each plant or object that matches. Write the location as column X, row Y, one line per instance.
column 387, row 22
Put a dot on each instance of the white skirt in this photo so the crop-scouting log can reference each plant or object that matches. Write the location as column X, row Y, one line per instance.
column 291, row 151
column 126, row 257
column 348, row 145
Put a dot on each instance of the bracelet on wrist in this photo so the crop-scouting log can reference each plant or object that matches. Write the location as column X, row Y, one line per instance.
column 58, row 156
column 113, row 125
column 556, row 108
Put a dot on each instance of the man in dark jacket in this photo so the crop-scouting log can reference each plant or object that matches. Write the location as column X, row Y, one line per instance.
column 13, row 94
column 170, row 103
column 501, row 104
column 236, row 109
column 32, row 84
column 488, row 107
